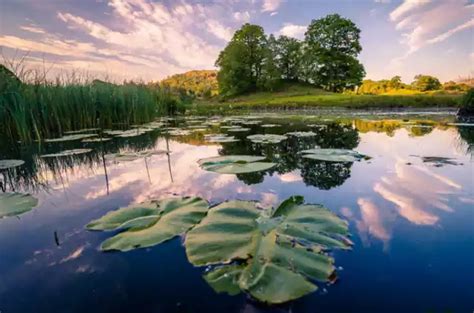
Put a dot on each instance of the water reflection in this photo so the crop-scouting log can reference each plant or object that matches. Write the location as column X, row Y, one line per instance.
column 382, row 198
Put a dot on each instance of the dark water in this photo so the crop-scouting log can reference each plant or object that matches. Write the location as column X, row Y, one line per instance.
column 412, row 223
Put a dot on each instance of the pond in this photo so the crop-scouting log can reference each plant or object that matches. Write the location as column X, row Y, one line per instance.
column 408, row 201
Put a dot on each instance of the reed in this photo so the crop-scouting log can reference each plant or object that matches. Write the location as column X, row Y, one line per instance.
column 43, row 109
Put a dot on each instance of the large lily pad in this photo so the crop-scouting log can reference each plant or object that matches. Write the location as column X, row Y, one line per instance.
column 235, row 164
column 220, row 138
column 150, row 223
column 267, row 138
column 7, row 164
column 66, row 153
column 13, row 204
column 95, row 140
column 132, row 156
column 274, row 255
column 333, row 155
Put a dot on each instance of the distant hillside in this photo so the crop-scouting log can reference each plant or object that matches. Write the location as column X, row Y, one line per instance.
column 202, row 83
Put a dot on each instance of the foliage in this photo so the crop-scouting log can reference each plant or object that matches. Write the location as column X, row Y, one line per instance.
column 201, row 83
column 44, row 109
column 13, row 204
column 331, row 47
column 277, row 254
column 426, row 83
column 235, row 164
column 150, row 223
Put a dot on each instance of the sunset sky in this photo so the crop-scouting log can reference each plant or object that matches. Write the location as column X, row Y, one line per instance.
column 153, row 39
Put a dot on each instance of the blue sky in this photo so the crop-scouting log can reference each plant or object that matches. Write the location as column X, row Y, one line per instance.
column 153, row 39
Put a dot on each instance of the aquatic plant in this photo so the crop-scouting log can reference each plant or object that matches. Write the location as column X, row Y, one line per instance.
column 150, row 223
column 333, row 155
column 14, row 204
column 267, row 138
column 8, row 164
column 275, row 255
column 235, row 164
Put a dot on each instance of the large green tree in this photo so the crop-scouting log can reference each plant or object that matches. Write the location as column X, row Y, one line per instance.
column 242, row 60
column 331, row 47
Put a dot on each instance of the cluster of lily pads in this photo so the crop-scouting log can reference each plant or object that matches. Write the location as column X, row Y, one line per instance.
column 273, row 254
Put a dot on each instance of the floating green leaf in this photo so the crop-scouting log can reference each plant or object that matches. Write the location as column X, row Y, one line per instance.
column 132, row 156
column 220, row 138
column 237, row 129
column 86, row 130
column 302, row 134
column 280, row 253
column 235, row 164
column 150, row 223
column 7, row 164
column 13, row 204
column 94, row 140
column 70, row 137
column 333, row 155
column 269, row 125
column 66, row 153
column 267, row 138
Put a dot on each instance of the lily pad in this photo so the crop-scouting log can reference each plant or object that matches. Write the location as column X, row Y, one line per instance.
column 269, row 125
column 132, row 156
column 94, row 140
column 267, row 138
column 80, row 131
column 66, row 153
column 70, row 138
column 238, row 129
column 221, row 138
column 281, row 252
column 438, row 161
column 13, row 204
column 334, row 155
column 150, row 223
column 235, row 164
column 179, row 132
column 302, row 134
column 7, row 164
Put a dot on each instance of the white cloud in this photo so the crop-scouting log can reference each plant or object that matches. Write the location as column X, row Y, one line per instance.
column 449, row 33
column 292, row 30
column 33, row 29
column 270, row 5
column 219, row 30
column 424, row 22
column 406, row 7
column 242, row 17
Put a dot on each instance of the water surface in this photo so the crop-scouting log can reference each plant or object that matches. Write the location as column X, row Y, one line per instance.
column 412, row 222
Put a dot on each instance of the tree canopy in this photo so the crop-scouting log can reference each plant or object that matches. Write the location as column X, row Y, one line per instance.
column 326, row 58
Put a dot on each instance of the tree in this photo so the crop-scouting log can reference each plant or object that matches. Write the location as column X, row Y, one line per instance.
column 426, row 83
column 242, row 60
column 395, row 82
column 288, row 56
column 331, row 47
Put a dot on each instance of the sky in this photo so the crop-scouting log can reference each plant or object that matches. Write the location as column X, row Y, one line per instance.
column 152, row 39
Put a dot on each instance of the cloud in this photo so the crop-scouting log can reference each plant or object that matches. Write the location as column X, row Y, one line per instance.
column 33, row 29
column 219, row 30
column 406, row 7
column 425, row 22
column 292, row 30
column 242, row 17
column 449, row 33
column 270, row 5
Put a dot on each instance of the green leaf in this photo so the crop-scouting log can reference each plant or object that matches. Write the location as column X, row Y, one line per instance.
column 333, row 155
column 235, row 164
column 66, row 153
column 150, row 223
column 281, row 251
column 13, row 204
column 302, row 134
column 70, row 137
column 7, row 164
column 268, row 138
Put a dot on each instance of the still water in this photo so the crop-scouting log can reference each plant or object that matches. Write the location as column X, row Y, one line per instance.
column 412, row 222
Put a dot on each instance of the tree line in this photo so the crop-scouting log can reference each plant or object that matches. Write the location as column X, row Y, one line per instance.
column 326, row 58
